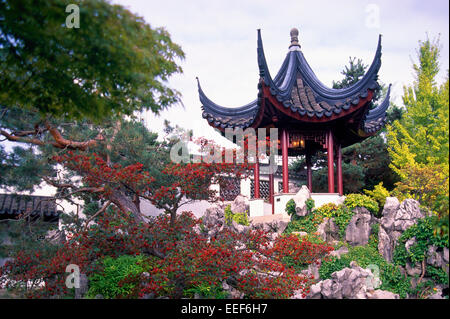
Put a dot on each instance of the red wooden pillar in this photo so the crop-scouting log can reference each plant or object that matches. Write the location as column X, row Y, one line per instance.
column 256, row 174
column 339, row 170
column 308, row 171
column 284, row 153
column 330, row 162
column 271, row 192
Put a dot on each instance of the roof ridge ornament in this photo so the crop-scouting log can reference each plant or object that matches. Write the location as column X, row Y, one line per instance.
column 295, row 46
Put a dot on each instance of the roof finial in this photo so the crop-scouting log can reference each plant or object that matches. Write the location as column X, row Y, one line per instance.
column 294, row 38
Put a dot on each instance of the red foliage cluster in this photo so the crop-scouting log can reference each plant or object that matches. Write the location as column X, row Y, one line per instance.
column 191, row 180
column 187, row 258
column 301, row 250
column 97, row 173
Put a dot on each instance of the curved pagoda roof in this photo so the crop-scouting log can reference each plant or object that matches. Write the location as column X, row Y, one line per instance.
column 297, row 95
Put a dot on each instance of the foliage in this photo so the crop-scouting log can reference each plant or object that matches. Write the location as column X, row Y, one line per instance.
column 298, row 253
column 179, row 260
column 423, row 232
column 359, row 200
column 309, row 223
column 438, row 275
column 341, row 218
column 327, row 210
column 240, row 218
column 379, row 193
column 290, row 207
column 419, row 141
column 306, row 223
column 309, row 205
column 203, row 290
column 427, row 184
column 373, row 237
column 107, row 282
column 124, row 186
column 352, row 73
column 114, row 63
column 341, row 215
column 390, row 274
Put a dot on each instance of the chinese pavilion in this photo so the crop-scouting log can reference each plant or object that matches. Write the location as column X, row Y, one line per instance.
column 311, row 116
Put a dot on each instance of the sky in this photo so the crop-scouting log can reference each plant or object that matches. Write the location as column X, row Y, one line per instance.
column 219, row 41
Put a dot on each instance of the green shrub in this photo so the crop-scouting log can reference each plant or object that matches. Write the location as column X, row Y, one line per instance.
column 309, row 223
column 306, row 223
column 327, row 210
column 290, row 207
column 379, row 193
column 310, row 205
column 342, row 217
column 114, row 271
column 357, row 200
column 340, row 214
column 373, row 238
column 240, row 218
column 425, row 236
column 206, row 291
column 437, row 274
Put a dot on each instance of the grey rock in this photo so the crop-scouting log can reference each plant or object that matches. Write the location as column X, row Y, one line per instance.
column 3, row 261
column 314, row 291
column 238, row 228
column 413, row 270
column 348, row 283
column 445, row 255
column 313, row 270
column 328, row 230
column 214, row 215
column 437, row 293
column 84, row 287
column 358, row 230
column 275, row 226
column 438, row 257
column 300, row 201
column 341, row 251
column 382, row 294
column 390, row 206
column 240, row 204
column 397, row 217
column 225, row 286
column 409, row 243
column 385, row 245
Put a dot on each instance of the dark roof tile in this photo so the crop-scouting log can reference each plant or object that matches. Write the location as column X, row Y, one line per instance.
column 14, row 204
column 296, row 87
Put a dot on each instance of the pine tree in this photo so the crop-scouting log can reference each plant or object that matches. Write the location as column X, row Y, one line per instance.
column 71, row 88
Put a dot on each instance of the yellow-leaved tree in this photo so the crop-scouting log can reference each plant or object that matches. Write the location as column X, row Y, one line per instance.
column 418, row 143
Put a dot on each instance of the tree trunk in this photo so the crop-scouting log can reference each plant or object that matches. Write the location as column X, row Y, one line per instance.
column 125, row 204
column 173, row 217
